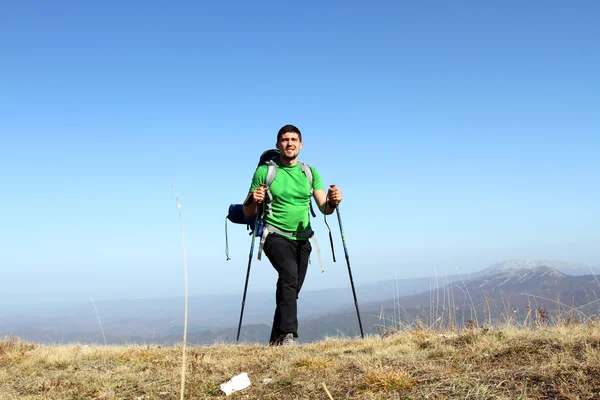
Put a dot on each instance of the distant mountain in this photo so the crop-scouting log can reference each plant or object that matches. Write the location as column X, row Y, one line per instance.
column 523, row 279
column 519, row 286
column 500, row 296
column 502, row 288
column 565, row 267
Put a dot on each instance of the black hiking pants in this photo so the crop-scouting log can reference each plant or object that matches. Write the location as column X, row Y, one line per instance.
column 290, row 259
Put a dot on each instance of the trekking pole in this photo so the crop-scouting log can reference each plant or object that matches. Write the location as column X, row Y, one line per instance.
column 330, row 235
column 254, row 231
column 337, row 210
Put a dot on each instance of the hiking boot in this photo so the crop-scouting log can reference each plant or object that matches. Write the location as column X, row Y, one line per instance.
column 288, row 340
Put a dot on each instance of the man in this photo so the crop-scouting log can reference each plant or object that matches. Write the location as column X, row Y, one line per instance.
column 288, row 225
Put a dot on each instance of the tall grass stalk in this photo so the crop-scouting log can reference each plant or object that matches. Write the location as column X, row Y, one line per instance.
column 396, row 296
column 594, row 275
column 470, row 298
column 183, row 363
column 99, row 322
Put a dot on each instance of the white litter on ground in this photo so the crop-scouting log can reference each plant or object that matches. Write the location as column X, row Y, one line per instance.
column 236, row 383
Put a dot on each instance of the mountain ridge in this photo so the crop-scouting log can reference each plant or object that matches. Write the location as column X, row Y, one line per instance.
column 331, row 311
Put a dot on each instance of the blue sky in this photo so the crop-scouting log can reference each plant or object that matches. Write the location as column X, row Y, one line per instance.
column 461, row 134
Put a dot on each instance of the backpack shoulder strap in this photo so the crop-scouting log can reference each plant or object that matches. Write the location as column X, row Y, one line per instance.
column 271, row 173
column 308, row 172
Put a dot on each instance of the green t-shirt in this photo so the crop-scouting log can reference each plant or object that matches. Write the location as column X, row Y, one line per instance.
column 291, row 196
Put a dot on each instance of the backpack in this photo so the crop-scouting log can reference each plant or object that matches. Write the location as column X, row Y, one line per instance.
column 235, row 213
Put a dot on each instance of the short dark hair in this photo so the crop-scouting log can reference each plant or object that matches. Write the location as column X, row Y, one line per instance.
column 287, row 129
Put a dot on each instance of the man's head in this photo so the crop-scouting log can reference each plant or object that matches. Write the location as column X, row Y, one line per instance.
column 289, row 129
column 289, row 142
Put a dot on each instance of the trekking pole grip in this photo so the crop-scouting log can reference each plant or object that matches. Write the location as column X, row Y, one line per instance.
column 332, row 187
column 325, row 219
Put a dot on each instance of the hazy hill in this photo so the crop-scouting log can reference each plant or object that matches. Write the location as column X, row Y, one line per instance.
column 501, row 290
column 161, row 319
column 511, row 295
column 513, row 288
column 565, row 267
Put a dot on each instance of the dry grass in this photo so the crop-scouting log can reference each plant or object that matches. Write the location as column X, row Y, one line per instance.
column 560, row 362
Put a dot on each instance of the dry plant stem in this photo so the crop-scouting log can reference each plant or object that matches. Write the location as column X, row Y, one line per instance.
column 314, row 239
column 327, row 391
column 594, row 275
column 98, row 315
column 186, row 295
column 470, row 298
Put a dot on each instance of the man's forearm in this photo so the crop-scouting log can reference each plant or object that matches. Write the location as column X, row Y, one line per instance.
column 249, row 206
column 327, row 208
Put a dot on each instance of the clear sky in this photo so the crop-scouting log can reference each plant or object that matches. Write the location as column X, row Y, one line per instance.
column 461, row 134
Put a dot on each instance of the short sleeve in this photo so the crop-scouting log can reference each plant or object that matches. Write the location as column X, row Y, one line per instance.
column 317, row 181
column 259, row 177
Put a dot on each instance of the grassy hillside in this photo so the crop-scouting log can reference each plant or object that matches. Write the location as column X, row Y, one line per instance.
column 559, row 362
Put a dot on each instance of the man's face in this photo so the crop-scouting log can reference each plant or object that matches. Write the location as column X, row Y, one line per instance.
column 289, row 145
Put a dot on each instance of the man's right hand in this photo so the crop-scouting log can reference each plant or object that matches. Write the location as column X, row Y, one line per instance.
column 259, row 194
